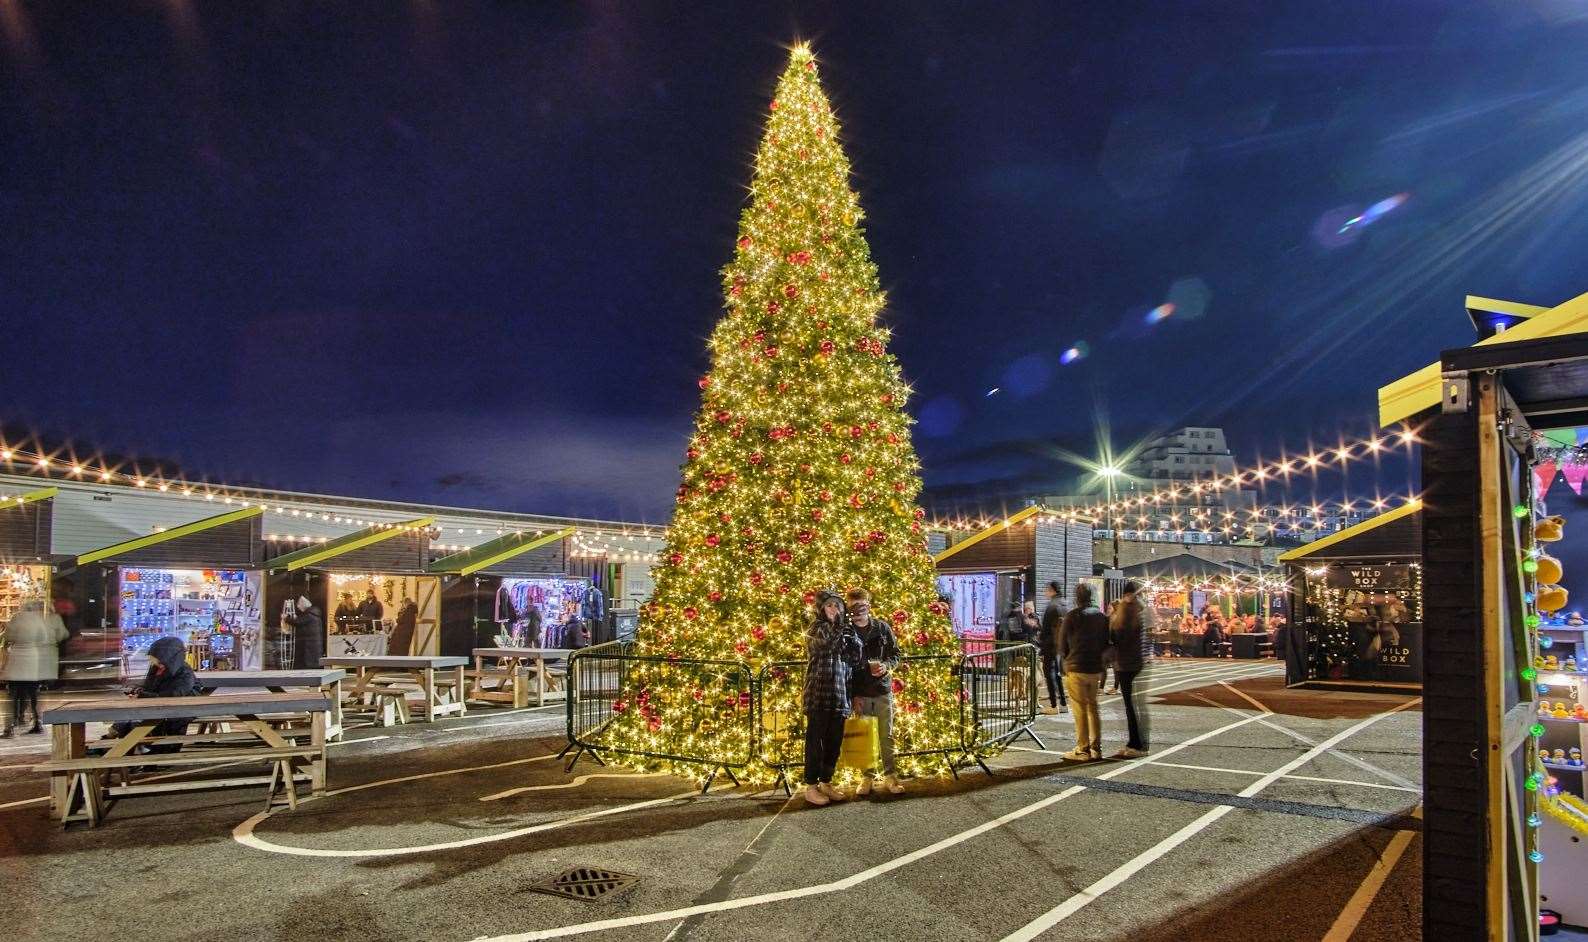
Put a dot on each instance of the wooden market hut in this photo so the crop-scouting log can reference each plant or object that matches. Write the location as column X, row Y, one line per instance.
column 1475, row 410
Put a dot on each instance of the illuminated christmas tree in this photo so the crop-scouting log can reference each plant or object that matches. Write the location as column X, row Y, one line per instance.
column 800, row 475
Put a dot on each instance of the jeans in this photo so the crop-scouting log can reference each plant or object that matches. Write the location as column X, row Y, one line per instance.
column 824, row 736
column 1053, row 675
column 1135, row 712
column 24, row 697
column 882, row 709
column 1083, row 706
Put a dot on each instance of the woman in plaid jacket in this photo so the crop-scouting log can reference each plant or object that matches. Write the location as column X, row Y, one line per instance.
column 832, row 652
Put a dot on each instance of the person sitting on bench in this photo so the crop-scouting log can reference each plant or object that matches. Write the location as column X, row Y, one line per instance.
column 169, row 676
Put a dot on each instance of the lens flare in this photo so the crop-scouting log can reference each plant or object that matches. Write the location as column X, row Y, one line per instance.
column 1076, row 352
column 1160, row 313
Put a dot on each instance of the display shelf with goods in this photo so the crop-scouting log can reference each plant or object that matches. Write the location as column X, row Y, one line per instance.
column 558, row 603
column 215, row 612
column 20, row 583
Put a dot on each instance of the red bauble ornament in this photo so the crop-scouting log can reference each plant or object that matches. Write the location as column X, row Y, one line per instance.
column 746, row 532
column 758, row 633
column 877, row 536
column 856, row 431
column 846, row 458
column 723, row 416
column 692, row 453
column 871, row 426
column 774, row 104
column 783, row 590
column 714, row 595
column 784, row 556
column 704, row 382
column 698, row 694
column 772, row 307
column 756, row 577
column 825, row 276
column 690, row 612
column 654, row 723
column 620, row 706
column 805, row 536
column 920, row 637
column 791, row 290
column 914, row 707
column 744, row 242
column 725, row 517
column 826, row 348
column 817, row 514
column 713, row 539
column 738, row 287
column 919, row 513
column 826, row 496
column 741, row 647
column 898, row 486
column 893, row 439
column 676, row 559
column 860, row 546
column 855, row 501
column 871, row 472
column 900, row 616
column 809, row 597
column 771, row 351
column 805, row 469
column 756, row 457
column 937, row 608
column 887, row 399
column 897, row 685
column 799, row 258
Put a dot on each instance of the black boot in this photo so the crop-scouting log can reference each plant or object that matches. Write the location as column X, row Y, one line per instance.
column 37, row 727
column 6, row 734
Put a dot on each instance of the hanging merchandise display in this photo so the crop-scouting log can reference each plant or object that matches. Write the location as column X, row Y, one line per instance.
column 542, row 611
column 215, row 612
column 973, row 607
column 20, row 584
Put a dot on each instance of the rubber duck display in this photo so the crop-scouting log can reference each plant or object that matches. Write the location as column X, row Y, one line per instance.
column 1580, row 712
column 1571, row 664
column 1551, row 598
column 1548, row 530
column 1574, row 757
column 1558, row 757
column 1576, row 620
column 1551, row 662
column 1559, row 712
column 1543, row 708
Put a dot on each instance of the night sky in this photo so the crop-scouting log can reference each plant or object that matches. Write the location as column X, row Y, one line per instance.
column 468, row 252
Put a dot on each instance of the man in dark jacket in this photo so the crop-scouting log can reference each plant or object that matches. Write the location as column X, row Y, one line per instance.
column 871, row 686
column 169, row 676
column 370, row 611
column 1048, row 645
column 308, row 634
column 1082, row 639
column 1127, row 630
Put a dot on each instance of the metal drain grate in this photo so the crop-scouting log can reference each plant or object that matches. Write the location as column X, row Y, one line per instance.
column 587, row 883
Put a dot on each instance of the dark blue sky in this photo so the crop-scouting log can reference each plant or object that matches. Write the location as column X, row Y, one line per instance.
column 468, row 252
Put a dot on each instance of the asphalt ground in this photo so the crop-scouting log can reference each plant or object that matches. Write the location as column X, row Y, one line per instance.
column 1262, row 813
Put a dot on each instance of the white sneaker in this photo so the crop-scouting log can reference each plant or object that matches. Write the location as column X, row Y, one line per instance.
column 1077, row 755
column 1129, row 753
column 892, row 785
column 814, row 796
column 832, row 791
column 864, row 789
column 1050, row 711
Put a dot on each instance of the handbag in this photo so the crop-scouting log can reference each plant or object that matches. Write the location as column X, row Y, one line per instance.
column 860, row 748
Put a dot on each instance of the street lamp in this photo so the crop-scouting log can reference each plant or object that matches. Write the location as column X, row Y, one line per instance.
column 1108, row 473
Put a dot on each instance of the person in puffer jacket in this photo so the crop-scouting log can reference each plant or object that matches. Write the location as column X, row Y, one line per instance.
column 169, row 676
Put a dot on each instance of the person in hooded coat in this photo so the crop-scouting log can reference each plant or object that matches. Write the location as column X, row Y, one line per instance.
column 32, row 642
column 832, row 652
column 308, row 634
column 402, row 634
column 169, row 676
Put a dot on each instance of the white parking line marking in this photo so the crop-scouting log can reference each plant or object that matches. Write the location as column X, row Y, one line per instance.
column 846, row 883
column 580, row 780
column 1299, row 778
column 1131, row 867
column 1362, row 764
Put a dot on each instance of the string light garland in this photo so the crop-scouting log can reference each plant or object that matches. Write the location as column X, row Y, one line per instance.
column 799, row 476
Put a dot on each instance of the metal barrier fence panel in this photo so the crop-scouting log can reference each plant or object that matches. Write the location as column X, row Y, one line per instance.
column 757, row 716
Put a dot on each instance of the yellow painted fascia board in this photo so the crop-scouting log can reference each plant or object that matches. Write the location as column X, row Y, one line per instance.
column 1497, row 306
column 1303, row 552
column 1418, row 391
column 43, row 493
column 441, row 565
column 154, row 539
column 990, row 531
column 301, row 559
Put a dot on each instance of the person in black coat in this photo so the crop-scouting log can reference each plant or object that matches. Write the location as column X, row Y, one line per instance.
column 1127, row 633
column 308, row 634
column 1048, row 646
column 168, row 676
column 371, row 611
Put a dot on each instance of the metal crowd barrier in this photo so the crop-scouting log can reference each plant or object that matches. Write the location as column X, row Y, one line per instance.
column 998, row 703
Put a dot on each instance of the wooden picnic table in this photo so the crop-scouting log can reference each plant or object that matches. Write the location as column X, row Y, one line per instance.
column 327, row 680
column 79, row 790
column 375, row 672
column 512, row 664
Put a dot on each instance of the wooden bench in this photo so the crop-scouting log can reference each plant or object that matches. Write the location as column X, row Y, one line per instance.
column 86, row 789
column 75, row 768
column 439, row 677
column 391, row 706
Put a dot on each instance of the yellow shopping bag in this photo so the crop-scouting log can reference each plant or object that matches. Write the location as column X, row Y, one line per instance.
column 860, row 744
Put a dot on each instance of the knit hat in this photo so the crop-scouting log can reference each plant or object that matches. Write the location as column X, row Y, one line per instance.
column 825, row 595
